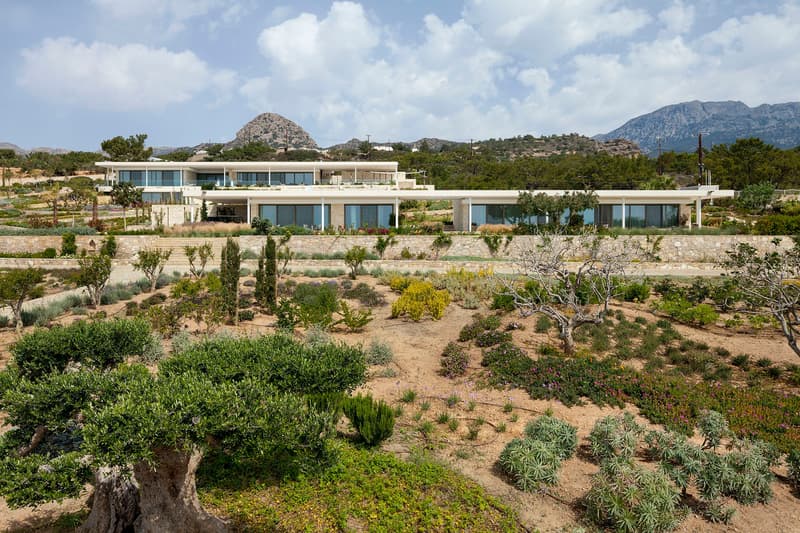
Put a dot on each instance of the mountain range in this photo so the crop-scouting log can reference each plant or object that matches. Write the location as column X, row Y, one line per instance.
column 677, row 126
column 674, row 127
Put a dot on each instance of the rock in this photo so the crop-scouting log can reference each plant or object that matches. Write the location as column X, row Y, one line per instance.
column 273, row 130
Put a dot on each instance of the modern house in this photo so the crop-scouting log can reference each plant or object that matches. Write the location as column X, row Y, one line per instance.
column 356, row 194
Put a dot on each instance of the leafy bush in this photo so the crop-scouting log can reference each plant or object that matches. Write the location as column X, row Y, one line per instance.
column 373, row 420
column 492, row 338
column 365, row 294
column 635, row 292
column 400, row 283
column 793, row 462
column 682, row 310
column 68, row 245
column 530, row 463
column 36, row 479
column 354, row 258
column 627, row 498
column 777, row 225
column 98, row 344
column 454, row 360
column 713, row 427
column 560, row 435
column 420, row 299
column 246, row 314
column 379, row 353
column 543, row 324
column 315, row 303
column 287, row 364
column 614, row 436
column 478, row 325
column 503, row 302
column 354, row 319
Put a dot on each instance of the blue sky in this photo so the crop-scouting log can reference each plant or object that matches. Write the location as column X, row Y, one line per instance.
column 188, row 71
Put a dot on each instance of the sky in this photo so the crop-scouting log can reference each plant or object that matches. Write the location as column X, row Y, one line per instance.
column 75, row 72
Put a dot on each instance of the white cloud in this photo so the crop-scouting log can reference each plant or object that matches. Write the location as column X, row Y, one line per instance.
column 171, row 16
column 117, row 78
column 544, row 30
column 678, row 18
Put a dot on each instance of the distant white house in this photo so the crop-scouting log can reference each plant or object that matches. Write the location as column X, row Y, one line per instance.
column 356, row 194
column 383, row 148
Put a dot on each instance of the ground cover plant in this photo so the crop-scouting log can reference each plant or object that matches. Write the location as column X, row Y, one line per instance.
column 373, row 489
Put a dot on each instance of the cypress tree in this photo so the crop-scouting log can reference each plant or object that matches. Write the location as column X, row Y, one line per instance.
column 271, row 271
column 229, row 276
column 267, row 275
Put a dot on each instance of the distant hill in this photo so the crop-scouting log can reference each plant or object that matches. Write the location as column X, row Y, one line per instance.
column 9, row 146
column 273, row 130
column 720, row 122
column 434, row 144
column 550, row 145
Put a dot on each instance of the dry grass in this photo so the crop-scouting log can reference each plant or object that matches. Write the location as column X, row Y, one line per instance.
column 207, row 227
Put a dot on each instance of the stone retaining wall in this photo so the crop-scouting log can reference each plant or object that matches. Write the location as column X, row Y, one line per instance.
column 669, row 248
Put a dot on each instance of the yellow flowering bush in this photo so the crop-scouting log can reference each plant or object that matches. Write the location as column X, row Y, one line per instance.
column 419, row 299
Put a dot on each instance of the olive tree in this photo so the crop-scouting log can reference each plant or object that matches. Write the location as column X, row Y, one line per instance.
column 94, row 273
column 125, row 195
column 16, row 286
column 142, row 436
column 203, row 254
column 772, row 280
column 152, row 263
column 570, row 279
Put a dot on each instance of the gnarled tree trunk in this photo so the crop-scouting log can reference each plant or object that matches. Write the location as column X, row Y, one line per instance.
column 115, row 503
column 168, row 495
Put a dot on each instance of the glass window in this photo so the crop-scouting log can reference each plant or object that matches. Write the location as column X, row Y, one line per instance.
column 385, row 216
column 616, row 215
column 285, row 215
column 652, row 216
column 304, row 215
column 268, row 212
column 478, row 215
column 635, row 216
column 369, row 216
column 588, row 217
column 670, row 216
column 495, row 214
column 208, row 178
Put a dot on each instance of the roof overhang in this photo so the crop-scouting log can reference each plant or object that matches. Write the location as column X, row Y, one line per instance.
column 252, row 166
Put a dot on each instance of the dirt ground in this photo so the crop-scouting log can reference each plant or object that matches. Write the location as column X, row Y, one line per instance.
column 417, row 348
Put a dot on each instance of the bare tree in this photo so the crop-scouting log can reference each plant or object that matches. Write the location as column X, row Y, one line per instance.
column 570, row 279
column 772, row 280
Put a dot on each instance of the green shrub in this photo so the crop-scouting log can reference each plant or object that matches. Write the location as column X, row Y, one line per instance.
column 629, row 498
column 530, row 463
column 777, row 225
column 492, row 338
column 365, row 294
column 614, row 436
column 98, row 344
column 503, row 302
column 420, row 299
column 354, row 258
column 354, row 319
column 454, row 360
column 286, row 363
column 793, row 462
column 543, row 324
column 478, row 325
column 109, row 247
column 315, row 303
column 246, row 314
column 551, row 430
column 68, row 245
column 635, row 292
column 373, row 420
column 713, row 427
column 379, row 353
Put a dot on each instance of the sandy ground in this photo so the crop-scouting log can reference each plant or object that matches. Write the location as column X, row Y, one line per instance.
column 417, row 348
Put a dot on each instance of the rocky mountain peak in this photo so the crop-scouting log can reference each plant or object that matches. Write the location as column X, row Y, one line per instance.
column 274, row 130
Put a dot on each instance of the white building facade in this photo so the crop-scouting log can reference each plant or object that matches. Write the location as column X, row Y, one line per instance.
column 358, row 194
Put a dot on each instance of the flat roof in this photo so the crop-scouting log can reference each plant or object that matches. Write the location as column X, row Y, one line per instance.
column 334, row 193
column 199, row 166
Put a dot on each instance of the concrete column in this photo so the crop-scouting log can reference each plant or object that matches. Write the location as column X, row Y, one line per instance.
column 322, row 212
column 623, row 213
column 249, row 218
column 146, row 178
column 396, row 212
column 698, row 208
column 355, row 175
column 469, row 214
